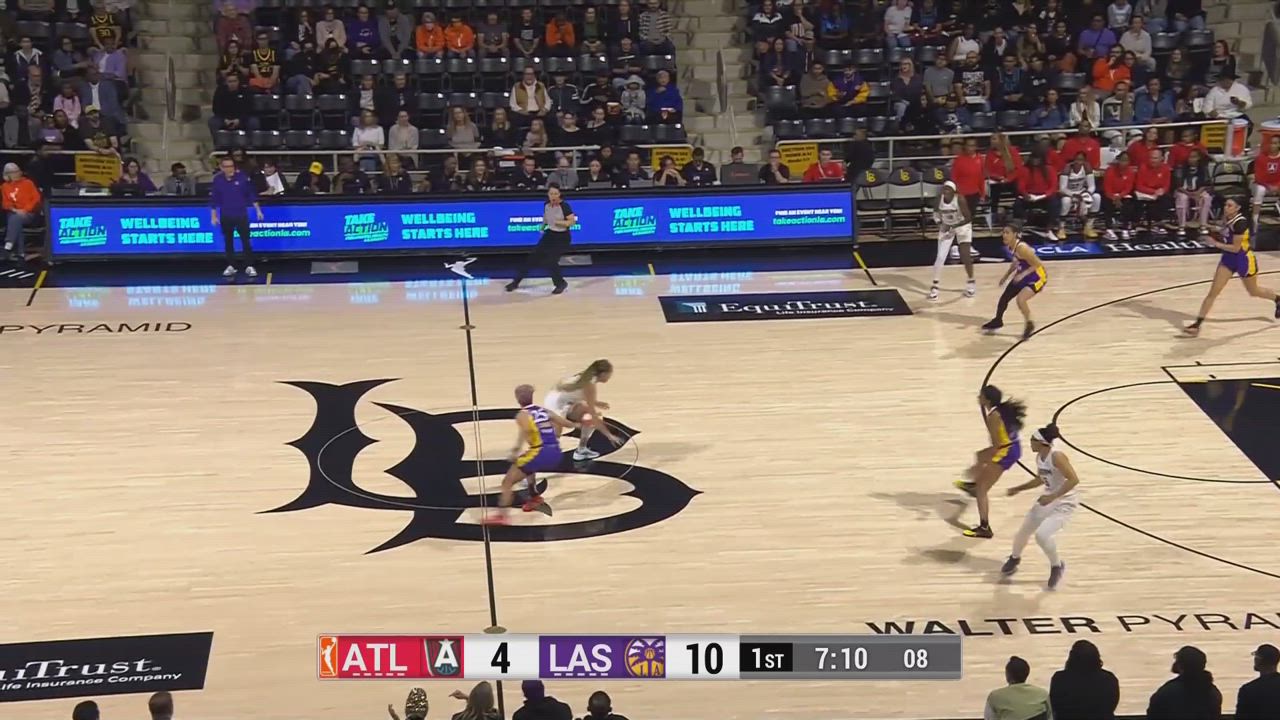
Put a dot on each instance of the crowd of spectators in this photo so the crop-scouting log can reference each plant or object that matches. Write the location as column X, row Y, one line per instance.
column 501, row 83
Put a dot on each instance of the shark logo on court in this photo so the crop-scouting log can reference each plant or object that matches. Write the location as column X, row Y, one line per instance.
column 434, row 472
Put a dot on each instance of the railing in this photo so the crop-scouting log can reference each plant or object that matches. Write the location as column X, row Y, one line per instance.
column 722, row 95
column 892, row 157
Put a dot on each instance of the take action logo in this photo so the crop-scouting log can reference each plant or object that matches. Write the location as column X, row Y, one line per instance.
column 435, row 469
column 784, row 306
column 103, row 666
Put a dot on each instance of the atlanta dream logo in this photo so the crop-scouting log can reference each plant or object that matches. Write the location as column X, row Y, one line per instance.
column 435, row 469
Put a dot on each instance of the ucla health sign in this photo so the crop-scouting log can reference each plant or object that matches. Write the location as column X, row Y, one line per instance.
column 350, row 225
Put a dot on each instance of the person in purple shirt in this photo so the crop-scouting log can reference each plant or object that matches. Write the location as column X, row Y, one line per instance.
column 362, row 34
column 229, row 200
column 1097, row 39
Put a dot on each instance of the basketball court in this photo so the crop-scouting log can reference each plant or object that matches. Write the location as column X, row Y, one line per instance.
column 788, row 476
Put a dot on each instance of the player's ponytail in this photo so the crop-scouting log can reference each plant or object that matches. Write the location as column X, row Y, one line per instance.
column 593, row 371
column 1048, row 433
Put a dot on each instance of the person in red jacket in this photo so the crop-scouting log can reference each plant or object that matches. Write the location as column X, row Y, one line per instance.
column 1143, row 146
column 1266, row 177
column 1151, row 191
column 1117, row 197
column 969, row 176
column 825, row 170
column 1084, row 142
column 1187, row 142
column 1003, row 163
column 1037, row 190
column 22, row 207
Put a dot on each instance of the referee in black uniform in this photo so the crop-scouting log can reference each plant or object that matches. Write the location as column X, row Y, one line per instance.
column 557, row 218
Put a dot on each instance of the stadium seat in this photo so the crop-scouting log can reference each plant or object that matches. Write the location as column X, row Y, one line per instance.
column 780, row 102
column 519, row 63
column 494, row 100
column 335, row 140
column 461, row 72
column 430, row 72
column 300, row 111
column 566, row 65
column 878, row 96
column 872, row 195
column 230, row 139
column 463, row 5
column 519, row 4
column 300, row 140
column 820, row 128
column 266, row 140
column 1164, row 43
column 498, row 5
column 654, row 63
column 1198, row 41
column 897, row 55
column 870, row 62
column 37, row 30
column 836, row 59
column 397, row 67
column 1012, row 119
column 670, row 133
column 432, row 102
column 264, row 103
column 926, row 55
column 906, row 195
column 467, row 100
column 846, row 126
column 635, row 135
column 983, row 122
column 432, row 139
column 495, row 74
column 1070, row 82
column 878, row 125
column 591, row 64
column 789, row 130
column 78, row 32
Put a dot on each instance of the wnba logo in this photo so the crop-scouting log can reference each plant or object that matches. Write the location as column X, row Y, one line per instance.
column 647, row 657
column 328, row 656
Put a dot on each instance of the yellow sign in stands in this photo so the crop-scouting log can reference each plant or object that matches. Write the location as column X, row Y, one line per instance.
column 681, row 154
column 95, row 169
column 798, row 157
column 1213, row 137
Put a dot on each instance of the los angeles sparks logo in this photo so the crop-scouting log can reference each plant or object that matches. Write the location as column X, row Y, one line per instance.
column 434, row 471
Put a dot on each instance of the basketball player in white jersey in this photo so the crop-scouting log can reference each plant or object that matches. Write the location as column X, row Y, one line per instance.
column 574, row 397
column 1080, row 194
column 1052, row 509
column 955, row 226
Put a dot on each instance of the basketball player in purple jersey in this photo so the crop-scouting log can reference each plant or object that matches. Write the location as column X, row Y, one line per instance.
column 1003, row 418
column 1237, row 259
column 539, row 431
column 1029, row 278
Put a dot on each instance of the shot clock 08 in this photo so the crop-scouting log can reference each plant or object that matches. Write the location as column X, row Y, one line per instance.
column 639, row 657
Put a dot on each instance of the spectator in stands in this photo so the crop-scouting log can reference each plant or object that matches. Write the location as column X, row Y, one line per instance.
column 805, row 56
column 27, row 55
column 86, row 710
column 1119, row 14
column 698, row 172
column 389, row 100
column 68, row 61
column 1118, row 109
column 179, row 182
column 369, row 137
column 1187, row 15
column 1084, row 109
column 1191, row 186
column 655, row 30
column 112, row 64
column 1138, row 41
column 825, row 169
column 1030, row 46
column 301, row 73
column 968, row 174
column 501, row 132
column 230, row 108
column 428, row 39
column 563, row 176
column 1192, row 693
column 233, row 62
column 631, row 172
column 1151, row 194
column 103, row 94
column 459, row 38
column 852, row 92
column 529, row 98
column 448, row 179
column 264, row 70
column 350, row 179
column 561, row 38
column 403, row 137
column 1118, row 210
column 230, row 26
column 1153, row 13
column 1110, row 70
column 331, row 28
column 598, row 130
column 633, row 100
column 897, row 24
column 1085, row 142
column 592, row 32
column 269, row 181
column 1266, row 177
column 1083, row 690
column 69, row 103
column 1187, row 141
column 964, row 45
column 22, row 208
column 600, row 707
column 540, row 706
column 536, row 137
column 480, row 705
column 362, row 35
column 312, row 181
column 1143, row 145
column 625, row 24
column 364, row 98
column 415, row 706
column 1096, row 42
column 1049, row 114
column 995, row 49
column 663, row 103
column 104, row 24
column 596, row 174
column 1189, row 104
column 1221, row 62
column 563, row 94
column 1259, row 698
column 160, row 705
column 1178, row 69
column 1059, row 50
column 527, row 176
column 526, row 36
column 569, row 134
column 859, row 153
column 939, row 81
column 133, row 181
column 462, row 131
column 767, row 25
column 493, row 38
column 817, row 93
column 1008, row 85
column 974, row 84
column 906, row 87
column 1038, row 190
column 396, row 33
column 624, row 63
column 1154, row 104
column 1018, row 700
column 953, row 117
column 667, row 175
column 1002, row 166
column 774, row 172
column 833, row 27
column 98, row 133
column 775, row 66
column 301, row 32
column 1228, row 99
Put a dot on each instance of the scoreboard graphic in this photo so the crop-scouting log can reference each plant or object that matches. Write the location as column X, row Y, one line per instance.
column 638, row 657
